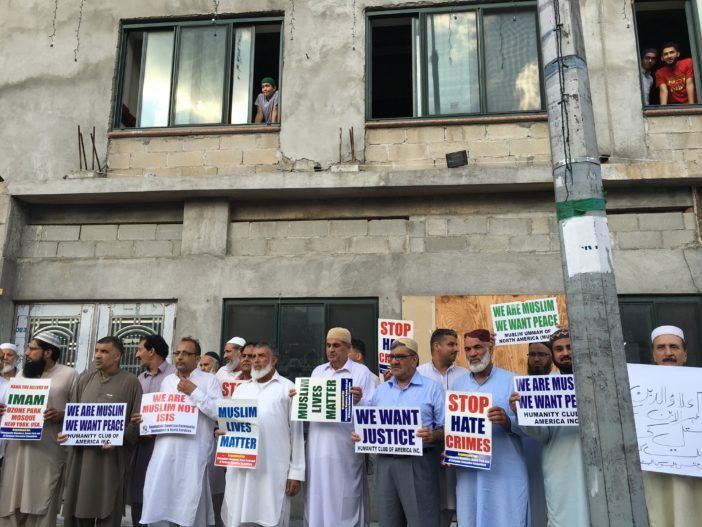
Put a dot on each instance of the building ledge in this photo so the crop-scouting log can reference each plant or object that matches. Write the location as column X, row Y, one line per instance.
column 195, row 130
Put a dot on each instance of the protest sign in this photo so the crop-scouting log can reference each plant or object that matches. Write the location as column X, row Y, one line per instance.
column 322, row 399
column 388, row 430
column 524, row 322
column 388, row 331
column 228, row 387
column 94, row 424
column 546, row 400
column 238, row 447
column 667, row 403
column 468, row 432
column 27, row 400
column 167, row 413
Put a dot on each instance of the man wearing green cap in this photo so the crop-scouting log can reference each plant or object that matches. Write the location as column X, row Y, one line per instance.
column 267, row 102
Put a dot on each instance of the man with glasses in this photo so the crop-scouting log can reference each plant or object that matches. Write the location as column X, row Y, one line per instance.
column 177, row 489
column 32, row 473
column 539, row 358
column 649, row 57
column 152, row 352
column 442, row 369
column 407, row 487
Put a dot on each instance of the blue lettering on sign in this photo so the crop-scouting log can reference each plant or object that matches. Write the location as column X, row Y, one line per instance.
column 365, row 416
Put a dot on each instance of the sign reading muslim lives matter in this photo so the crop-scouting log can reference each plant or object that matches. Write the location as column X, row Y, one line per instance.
column 467, row 431
column 524, row 322
column 27, row 400
column 94, row 424
column 167, row 413
column 546, row 400
column 388, row 430
column 238, row 447
column 322, row 399
column 388, row 331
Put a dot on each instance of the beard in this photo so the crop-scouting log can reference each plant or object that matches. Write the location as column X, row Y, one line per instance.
column 484, row 363
column 565, row 369
column 536, row 370
column 232, row 364
column 7, row 368
column 34, row 369
column 260, row 374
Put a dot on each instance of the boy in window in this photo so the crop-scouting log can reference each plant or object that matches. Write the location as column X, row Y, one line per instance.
column 675, row 79
column 649, row 57
column 267, row 102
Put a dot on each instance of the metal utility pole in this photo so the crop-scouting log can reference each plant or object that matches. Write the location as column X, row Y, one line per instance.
column 610, row 452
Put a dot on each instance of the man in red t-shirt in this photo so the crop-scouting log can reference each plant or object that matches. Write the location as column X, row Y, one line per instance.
column 675, row 80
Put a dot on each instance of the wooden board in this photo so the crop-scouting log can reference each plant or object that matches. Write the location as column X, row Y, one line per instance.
column 466, row 313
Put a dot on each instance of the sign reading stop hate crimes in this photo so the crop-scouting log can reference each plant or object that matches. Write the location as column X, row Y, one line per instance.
column 94, row 424
column 388, row 430
column 167, row 413
column 388, row 331
column 322, row 399
column 27, row 400
column 468, row 432
column 546, row 400
column 238, row 447
column 524, row 322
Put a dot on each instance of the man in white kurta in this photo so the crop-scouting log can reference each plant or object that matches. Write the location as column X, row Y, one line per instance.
column 177, row 488
column 261, row 496
column 337, row 487
column 229, row 375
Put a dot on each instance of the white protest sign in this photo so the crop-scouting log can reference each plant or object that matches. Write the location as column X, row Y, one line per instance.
column 27, row 400
column 467, row 431
column 546, row 400
column 167, row 413
column 388, row 430
column 524, row 322
column 667, row 403
column 238, row 447
column 322, row 399
column 388, row 331
column 94, row 424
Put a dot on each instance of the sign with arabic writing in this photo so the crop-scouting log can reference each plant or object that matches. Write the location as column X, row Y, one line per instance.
column 667, row 403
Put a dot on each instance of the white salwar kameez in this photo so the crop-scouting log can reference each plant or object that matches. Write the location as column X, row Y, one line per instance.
column 257, row 496
column 337, row 486
column 177, row 488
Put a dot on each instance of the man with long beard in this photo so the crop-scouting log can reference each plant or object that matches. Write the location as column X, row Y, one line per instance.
column 478, row 503
column 229, row 374
column 262, row 496
column 32, row 474
column 11, row 359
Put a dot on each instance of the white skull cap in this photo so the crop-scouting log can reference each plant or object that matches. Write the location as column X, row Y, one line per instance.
column 667, row 330
column 237, row 341
column 49, row 337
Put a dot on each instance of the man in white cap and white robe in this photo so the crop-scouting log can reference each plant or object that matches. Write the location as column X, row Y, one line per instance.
column 337, row 487
column 672, row 500
column 229, row 374
column 32, row 473
column 11, row 359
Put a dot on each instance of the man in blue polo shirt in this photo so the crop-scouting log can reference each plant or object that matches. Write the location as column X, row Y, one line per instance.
column 407, row 487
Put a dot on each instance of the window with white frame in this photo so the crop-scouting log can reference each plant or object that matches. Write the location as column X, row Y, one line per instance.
column 195, row 73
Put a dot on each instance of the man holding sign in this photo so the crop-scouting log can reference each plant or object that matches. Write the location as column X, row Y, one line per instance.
column 96, row 477
column 476, row 497
column 337, row 487
column 262, row 495
column 407, row 487
column 32, row 473
column 177, row 488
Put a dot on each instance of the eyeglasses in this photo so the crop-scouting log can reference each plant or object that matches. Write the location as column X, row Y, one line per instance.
column 539, row 354
column 184, row 353
column 398, row 357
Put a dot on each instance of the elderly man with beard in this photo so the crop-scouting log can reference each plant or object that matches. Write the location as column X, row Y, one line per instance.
column 562, row 463
column 672, row 500
column 32, row 475
column 11, row 359
column 229, row 374
column 262, row 496
column 478, row 501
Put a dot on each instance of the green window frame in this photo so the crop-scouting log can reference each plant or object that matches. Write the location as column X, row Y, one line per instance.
column 424, row 104
column 236, row 40
column 640, row 314
column 301, row 350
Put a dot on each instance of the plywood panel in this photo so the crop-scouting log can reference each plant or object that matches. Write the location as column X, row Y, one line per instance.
column 466, row 313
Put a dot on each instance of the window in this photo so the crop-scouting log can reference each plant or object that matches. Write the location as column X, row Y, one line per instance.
column 462, row 61
column 660, row 22
column 640, row 315
column 195, row 73
column 297, row 327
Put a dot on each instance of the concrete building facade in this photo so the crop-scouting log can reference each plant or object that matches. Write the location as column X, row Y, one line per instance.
column 187, row 225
